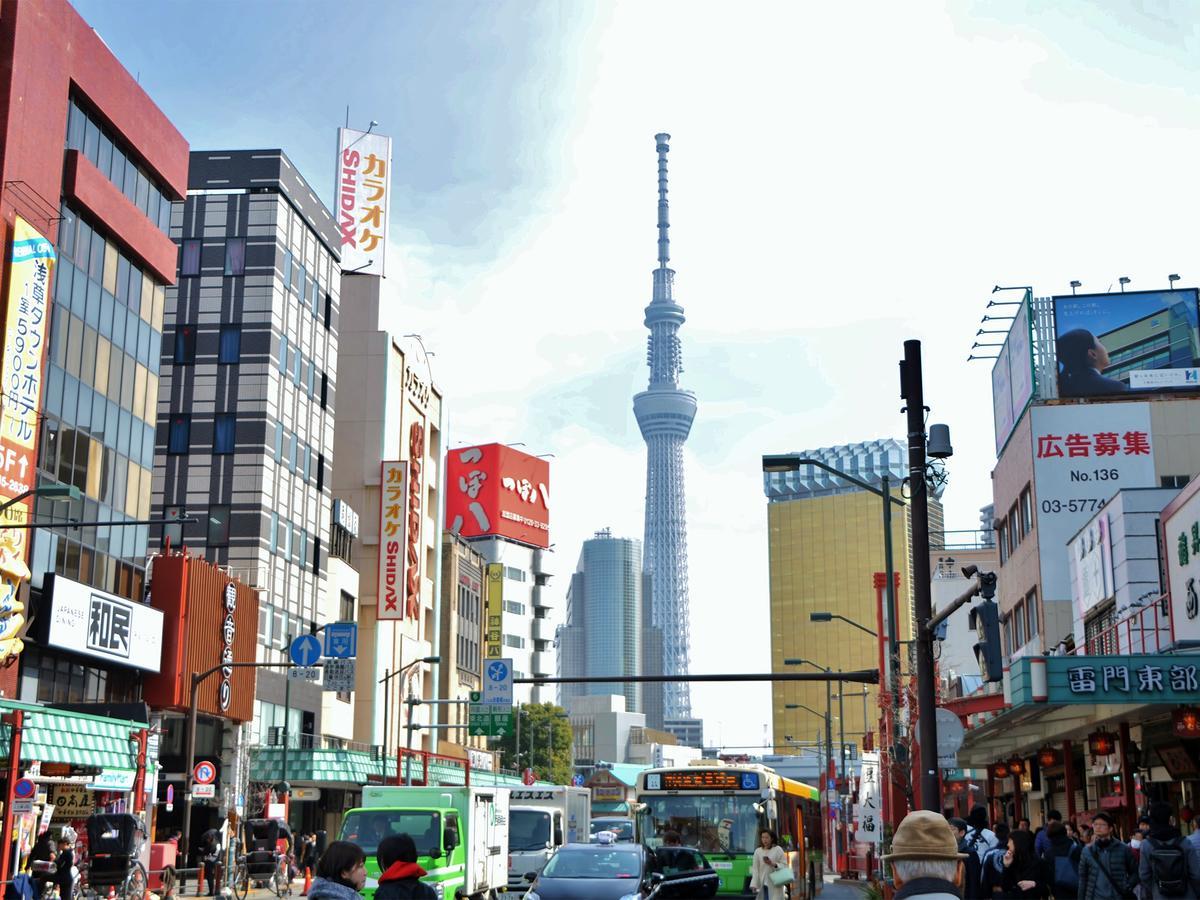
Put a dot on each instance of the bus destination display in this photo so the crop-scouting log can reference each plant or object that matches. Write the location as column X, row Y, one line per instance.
column 709, row 780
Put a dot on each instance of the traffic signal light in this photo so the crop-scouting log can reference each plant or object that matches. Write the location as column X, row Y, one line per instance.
column 985, row 619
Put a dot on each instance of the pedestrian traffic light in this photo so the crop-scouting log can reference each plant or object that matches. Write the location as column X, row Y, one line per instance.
column 985, row 619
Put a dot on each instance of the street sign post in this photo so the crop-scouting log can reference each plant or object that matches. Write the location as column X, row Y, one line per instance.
column 498, row 682
column 341, row 640
column 339, row 675
column 488, row 719
column 950, row 735
column 204, row 773
column 305, row 650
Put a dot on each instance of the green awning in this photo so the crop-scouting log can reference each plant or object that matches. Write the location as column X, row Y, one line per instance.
column 79, row 739
column 616, row 808
column 355, row 767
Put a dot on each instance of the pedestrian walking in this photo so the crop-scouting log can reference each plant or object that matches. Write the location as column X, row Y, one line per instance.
column 1169, row 866
column 980, row 838
column 1024, row 873
column 768, row 856
column 1062, row 861
column 992, row 866
column 972, row 868
column 341, row 873
column 399, row 875
column 1041, row 841
column 1106, row 867
column 926, row 860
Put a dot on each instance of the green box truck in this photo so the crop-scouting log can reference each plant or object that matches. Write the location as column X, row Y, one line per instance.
column 461, row 835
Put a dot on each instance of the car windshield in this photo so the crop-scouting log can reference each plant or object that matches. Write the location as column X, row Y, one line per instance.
column 368, row 827
column 622, row 828
column 528, row 829
column 711, row 823
column 587, row 863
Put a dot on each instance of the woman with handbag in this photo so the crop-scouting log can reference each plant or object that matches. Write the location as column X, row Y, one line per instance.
column 770, row 873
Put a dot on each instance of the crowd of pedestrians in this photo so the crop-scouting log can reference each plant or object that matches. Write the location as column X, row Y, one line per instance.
column 1064, row 861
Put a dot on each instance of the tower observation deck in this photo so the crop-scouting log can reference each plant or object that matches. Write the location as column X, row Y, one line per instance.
column 664, row 414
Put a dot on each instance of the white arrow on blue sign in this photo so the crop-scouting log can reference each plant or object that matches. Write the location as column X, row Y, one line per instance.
column 498, row 683
column 341, row 640
column 305, row 650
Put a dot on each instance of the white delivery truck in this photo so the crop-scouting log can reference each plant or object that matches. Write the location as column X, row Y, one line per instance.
column 542, row 819
column 461, row 835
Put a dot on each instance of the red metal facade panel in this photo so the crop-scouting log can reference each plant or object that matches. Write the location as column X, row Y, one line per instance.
column 191, row 593
column 45, row 48
column 492, row 489
column 83, row 183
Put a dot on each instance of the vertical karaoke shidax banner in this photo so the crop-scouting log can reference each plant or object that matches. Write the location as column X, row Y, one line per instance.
column 31, row 263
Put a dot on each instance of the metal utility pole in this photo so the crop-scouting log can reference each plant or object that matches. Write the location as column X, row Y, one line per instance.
column 912, row 391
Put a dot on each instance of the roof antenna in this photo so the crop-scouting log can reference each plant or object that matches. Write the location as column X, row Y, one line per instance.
column 664, row 243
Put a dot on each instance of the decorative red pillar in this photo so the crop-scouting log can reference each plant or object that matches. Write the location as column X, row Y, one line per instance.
column 1127, row 788
column 1069, row 779
column 16, row 721
column 139, row 781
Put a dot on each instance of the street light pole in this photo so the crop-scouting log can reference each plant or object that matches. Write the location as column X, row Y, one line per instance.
column 198, row 679
column 912, row 391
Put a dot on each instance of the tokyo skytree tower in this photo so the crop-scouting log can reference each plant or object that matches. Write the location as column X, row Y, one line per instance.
column 664, row 413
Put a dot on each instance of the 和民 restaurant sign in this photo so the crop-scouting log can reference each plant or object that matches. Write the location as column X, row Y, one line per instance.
column 1105, row 679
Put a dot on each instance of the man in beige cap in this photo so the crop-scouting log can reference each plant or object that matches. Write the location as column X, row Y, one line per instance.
column 925, row 858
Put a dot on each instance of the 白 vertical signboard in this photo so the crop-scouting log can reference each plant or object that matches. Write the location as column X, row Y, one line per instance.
column 30, row 265
column 1012, row 375
column 1082, row 455
column 493, row 629
column 393, row 518
column 1181, row 547
column 363, row 184
column 1092, row 566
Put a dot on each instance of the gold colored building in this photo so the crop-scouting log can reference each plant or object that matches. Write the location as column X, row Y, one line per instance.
column 825, row 542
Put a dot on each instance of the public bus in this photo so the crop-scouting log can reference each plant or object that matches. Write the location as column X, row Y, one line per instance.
column 720, row 808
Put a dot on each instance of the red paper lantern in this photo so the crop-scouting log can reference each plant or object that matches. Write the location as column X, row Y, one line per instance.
column 1185, row 722
column 1101, row 743
column 1016, row 766
column 1047, row 757
column 999, row 770
column 1185, row 814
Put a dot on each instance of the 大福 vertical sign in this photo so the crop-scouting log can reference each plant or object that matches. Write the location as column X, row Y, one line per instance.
column 31, row 263
column 393, row 517
column 363, row 185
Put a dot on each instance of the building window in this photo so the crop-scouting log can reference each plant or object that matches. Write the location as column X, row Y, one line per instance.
column 328, row 310
column 324, row 390
column 514, row 574
column 1018, row 620
column 224, row 433
column 515, row 641
column 185, row 345
column 287, row 268
column 1014, row 530
column 283, row 355
column 218, row 526
column 180, row 434
column 1174, row 481
column 514, row 607
column 229, row 351
column 1031, row 608
column 235, row 256
column 189, row 261
column 1026, row 504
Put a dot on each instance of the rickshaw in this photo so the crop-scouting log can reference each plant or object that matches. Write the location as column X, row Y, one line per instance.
column 114, row 849
column 262, row 862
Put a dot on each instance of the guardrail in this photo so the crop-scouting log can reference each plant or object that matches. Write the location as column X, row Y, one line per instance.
column 1147, row 630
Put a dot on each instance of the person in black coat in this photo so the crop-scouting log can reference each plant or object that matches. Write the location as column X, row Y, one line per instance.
column 1062, row 861
column 1024, row 874
column 399, row 875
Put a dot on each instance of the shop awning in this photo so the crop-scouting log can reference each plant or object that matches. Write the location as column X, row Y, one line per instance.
column 79, row 739
column 352, row 768
column 612, row 808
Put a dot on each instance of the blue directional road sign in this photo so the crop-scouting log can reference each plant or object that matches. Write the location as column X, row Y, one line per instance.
column 305, row 650
column 341, row 640
column 498, row 682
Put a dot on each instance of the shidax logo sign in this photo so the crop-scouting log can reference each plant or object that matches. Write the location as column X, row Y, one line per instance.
column 228, row 633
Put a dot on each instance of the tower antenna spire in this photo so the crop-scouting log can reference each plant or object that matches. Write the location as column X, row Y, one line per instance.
column 664, row 242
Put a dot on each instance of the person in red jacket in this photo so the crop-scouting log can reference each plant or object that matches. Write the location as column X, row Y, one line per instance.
column 399, row 874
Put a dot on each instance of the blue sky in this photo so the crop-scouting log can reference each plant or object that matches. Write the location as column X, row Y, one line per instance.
column 843, row 177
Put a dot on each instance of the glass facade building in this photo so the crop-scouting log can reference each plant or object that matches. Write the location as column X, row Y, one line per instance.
column 604, row 629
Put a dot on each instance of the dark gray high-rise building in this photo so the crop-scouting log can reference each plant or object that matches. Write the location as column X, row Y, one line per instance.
column 664, row 413
column 246, row 399
column 604, row 629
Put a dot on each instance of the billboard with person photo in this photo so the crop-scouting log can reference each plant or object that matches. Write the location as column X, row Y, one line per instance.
column 1141, row 341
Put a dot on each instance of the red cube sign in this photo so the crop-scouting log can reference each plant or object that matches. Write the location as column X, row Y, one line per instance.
column 492, row 489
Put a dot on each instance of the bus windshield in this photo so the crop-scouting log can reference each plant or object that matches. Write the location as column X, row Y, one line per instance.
column 367, row 827
column 710, row 823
